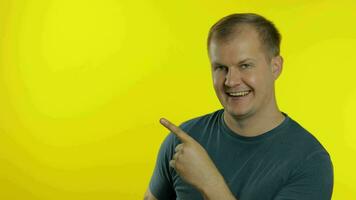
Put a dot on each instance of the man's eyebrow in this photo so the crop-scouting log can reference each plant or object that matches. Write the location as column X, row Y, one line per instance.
column 217, row 64
column 245, row 60
column 239, row 63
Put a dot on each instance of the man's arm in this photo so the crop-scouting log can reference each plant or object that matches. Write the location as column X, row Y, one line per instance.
column 194, row 165
column 161, row 182
column 313, row 179
column 149, row 195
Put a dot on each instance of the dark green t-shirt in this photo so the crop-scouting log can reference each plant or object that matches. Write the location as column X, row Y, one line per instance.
column 286, row 162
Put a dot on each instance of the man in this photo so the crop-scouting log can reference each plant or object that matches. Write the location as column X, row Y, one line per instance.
column 249, row 150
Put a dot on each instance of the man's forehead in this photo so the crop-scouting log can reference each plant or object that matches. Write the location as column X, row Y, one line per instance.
column 238, row 49
column 243, row 45
column 244, row 39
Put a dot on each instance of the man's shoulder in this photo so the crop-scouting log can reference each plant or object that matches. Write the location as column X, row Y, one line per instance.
column 201, row 120
column 298, row 138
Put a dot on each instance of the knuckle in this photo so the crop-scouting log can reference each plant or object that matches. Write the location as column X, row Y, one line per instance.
column 172, row 163
column 175, row 156
column 179, row 147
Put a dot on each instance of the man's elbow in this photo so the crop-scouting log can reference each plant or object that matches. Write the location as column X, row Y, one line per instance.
column 149, row 195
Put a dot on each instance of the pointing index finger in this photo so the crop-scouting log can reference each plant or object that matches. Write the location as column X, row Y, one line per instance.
column 175, row 129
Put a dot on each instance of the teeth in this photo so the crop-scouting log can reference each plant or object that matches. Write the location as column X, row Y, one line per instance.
column 237, row 94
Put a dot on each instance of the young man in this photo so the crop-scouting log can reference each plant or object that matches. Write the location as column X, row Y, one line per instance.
column 250, row 149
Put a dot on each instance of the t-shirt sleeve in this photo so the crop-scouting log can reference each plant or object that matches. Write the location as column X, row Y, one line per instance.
column 313, row 179
column 161, row 183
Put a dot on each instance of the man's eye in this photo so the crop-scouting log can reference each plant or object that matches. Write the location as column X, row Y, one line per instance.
column 220, row 67
column 244, row 66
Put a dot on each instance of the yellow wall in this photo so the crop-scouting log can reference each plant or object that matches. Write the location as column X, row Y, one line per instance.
column 83, row 84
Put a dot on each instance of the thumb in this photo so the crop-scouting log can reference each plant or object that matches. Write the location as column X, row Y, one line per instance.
column 183, row 136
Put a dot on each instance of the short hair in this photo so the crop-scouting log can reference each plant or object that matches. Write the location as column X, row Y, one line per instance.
column 269, row 36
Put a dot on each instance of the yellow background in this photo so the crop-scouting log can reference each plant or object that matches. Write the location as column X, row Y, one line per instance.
column 83, row 84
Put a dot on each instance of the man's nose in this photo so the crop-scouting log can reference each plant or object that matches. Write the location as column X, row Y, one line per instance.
column 233, row 77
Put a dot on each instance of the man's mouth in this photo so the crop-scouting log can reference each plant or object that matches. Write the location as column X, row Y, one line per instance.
column 238, row 94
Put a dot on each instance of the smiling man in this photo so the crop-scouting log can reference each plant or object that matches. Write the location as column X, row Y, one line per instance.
column 249, row 150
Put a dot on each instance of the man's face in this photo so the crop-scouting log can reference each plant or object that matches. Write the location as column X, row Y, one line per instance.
column 243, row 77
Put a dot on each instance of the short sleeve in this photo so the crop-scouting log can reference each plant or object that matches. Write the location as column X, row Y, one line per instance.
column 161, row 183
column 313, row 179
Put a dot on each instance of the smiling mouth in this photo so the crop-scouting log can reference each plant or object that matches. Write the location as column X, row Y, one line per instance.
column 238, row 94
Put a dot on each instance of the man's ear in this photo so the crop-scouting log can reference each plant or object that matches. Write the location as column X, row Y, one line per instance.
column 277, row 66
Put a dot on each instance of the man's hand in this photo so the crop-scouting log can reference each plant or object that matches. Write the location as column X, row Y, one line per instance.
column 193, row 163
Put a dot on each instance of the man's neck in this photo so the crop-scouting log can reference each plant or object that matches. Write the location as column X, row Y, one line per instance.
column 255, row 124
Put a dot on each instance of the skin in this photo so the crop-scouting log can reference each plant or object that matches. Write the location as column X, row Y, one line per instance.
column 241, row 64
column 238, row 64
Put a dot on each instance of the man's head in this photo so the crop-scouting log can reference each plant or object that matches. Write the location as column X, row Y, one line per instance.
column 244, row 54
column 269, row 36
